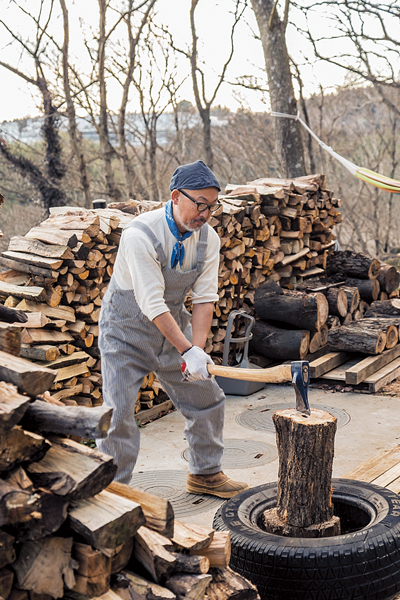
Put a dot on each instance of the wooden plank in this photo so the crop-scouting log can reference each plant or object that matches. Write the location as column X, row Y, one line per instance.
column 339, row 374
column 326, row 363
column 383, row 376
column 28, row 377
column 373, row 467
column 389, row 476
column 29, row 292
column 145, row 416
column 370, row 365
column 23, row 244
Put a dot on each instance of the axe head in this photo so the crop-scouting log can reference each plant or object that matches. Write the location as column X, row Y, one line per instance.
column 300, row 370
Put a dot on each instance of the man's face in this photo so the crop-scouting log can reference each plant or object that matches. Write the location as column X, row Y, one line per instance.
column 186, row 213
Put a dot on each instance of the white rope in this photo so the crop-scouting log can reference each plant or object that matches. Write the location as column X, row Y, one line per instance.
column 346, row 163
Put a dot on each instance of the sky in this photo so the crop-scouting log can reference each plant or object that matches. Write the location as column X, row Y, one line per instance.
column 213, row 21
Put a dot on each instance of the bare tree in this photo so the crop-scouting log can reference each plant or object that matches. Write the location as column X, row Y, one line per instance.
column 289, row 145
column 48, row 182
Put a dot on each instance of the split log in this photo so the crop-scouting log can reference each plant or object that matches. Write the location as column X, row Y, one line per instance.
column 90, row 423
column 120, row 556
column 185, row 563
column 39, row 353
column 306, row 448
column 22, row 291
column 12, row 406
column 134, row 586
column 281, row 344
column 32, row 246
column 386, row 307
column 26, row 513
column 73, row 470
column 351, row 338
column 151, row 550
column 7, row 555
column 337, row 301
column 192, row 537
column 18, row 446
column 10, row 339
column 53, row 312
column 44, row 566
column 6, row 581
column 192, row 587
column 353, row 298
column 45, row 336
column 219, row 551
column 389, row 278
column 228, row 585
column 105, row 520
column 368, row 288
column 93, row 573
column 356, row 265
column 158, row 512
column 27, row 376
column 308, row 311
column 53, row 236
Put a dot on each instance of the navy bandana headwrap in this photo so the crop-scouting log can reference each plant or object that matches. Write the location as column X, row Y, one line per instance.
column 178, row 252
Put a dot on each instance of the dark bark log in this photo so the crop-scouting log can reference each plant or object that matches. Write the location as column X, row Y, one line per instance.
column 288, row 139
column 272, row 523
column 185, row 563
column 389, row 278
column 68, row 420
column 281, row 344
column 386, row 307
column 357, row 339
column 333, row 321
column 11, row 315
column 306, row 311
column 337, row 301
column 387, row 326
column 368, row 288
column 355, row 265
column 306, row 449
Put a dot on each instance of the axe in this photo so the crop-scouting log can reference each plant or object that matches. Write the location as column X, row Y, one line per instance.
column 298, row 372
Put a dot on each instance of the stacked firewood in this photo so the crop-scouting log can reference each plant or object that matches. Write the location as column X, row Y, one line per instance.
column 68, row 530
column 354, row 309
column 58, row 274
column 270, row 229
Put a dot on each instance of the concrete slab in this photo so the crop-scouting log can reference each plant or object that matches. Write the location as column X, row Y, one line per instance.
column 374, row 425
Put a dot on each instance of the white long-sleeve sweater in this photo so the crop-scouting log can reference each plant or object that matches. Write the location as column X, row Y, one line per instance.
column 137, row 266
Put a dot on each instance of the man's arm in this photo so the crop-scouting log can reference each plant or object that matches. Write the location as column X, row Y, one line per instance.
column 201, row 323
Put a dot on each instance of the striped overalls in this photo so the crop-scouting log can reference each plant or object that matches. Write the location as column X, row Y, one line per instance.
column 132, row 346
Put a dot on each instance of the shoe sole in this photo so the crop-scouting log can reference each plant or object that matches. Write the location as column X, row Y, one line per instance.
column 204, row 490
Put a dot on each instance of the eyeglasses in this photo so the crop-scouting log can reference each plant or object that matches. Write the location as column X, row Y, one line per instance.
column 202, row 205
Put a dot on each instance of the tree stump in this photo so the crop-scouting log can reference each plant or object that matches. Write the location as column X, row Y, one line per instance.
column 306, row 448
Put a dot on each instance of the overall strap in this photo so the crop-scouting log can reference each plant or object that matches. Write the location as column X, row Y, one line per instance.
column 202, row 247
column 150, row 234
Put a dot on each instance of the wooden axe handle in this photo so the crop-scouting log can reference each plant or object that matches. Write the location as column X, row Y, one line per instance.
column 279, row 374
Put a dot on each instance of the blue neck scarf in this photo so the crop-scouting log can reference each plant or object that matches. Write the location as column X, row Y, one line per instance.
column 178, row 252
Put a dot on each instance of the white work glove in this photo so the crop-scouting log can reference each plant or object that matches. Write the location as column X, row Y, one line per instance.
column 196, row 364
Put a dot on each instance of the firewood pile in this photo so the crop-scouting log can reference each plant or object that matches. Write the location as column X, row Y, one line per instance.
column 68, row 530
column 355, row 308
column 58, row 273
column 271, row 230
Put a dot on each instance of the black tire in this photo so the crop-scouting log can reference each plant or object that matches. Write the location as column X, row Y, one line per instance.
column 360, row 564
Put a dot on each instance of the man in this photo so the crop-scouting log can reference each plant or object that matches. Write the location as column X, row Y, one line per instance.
column 145, row 327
